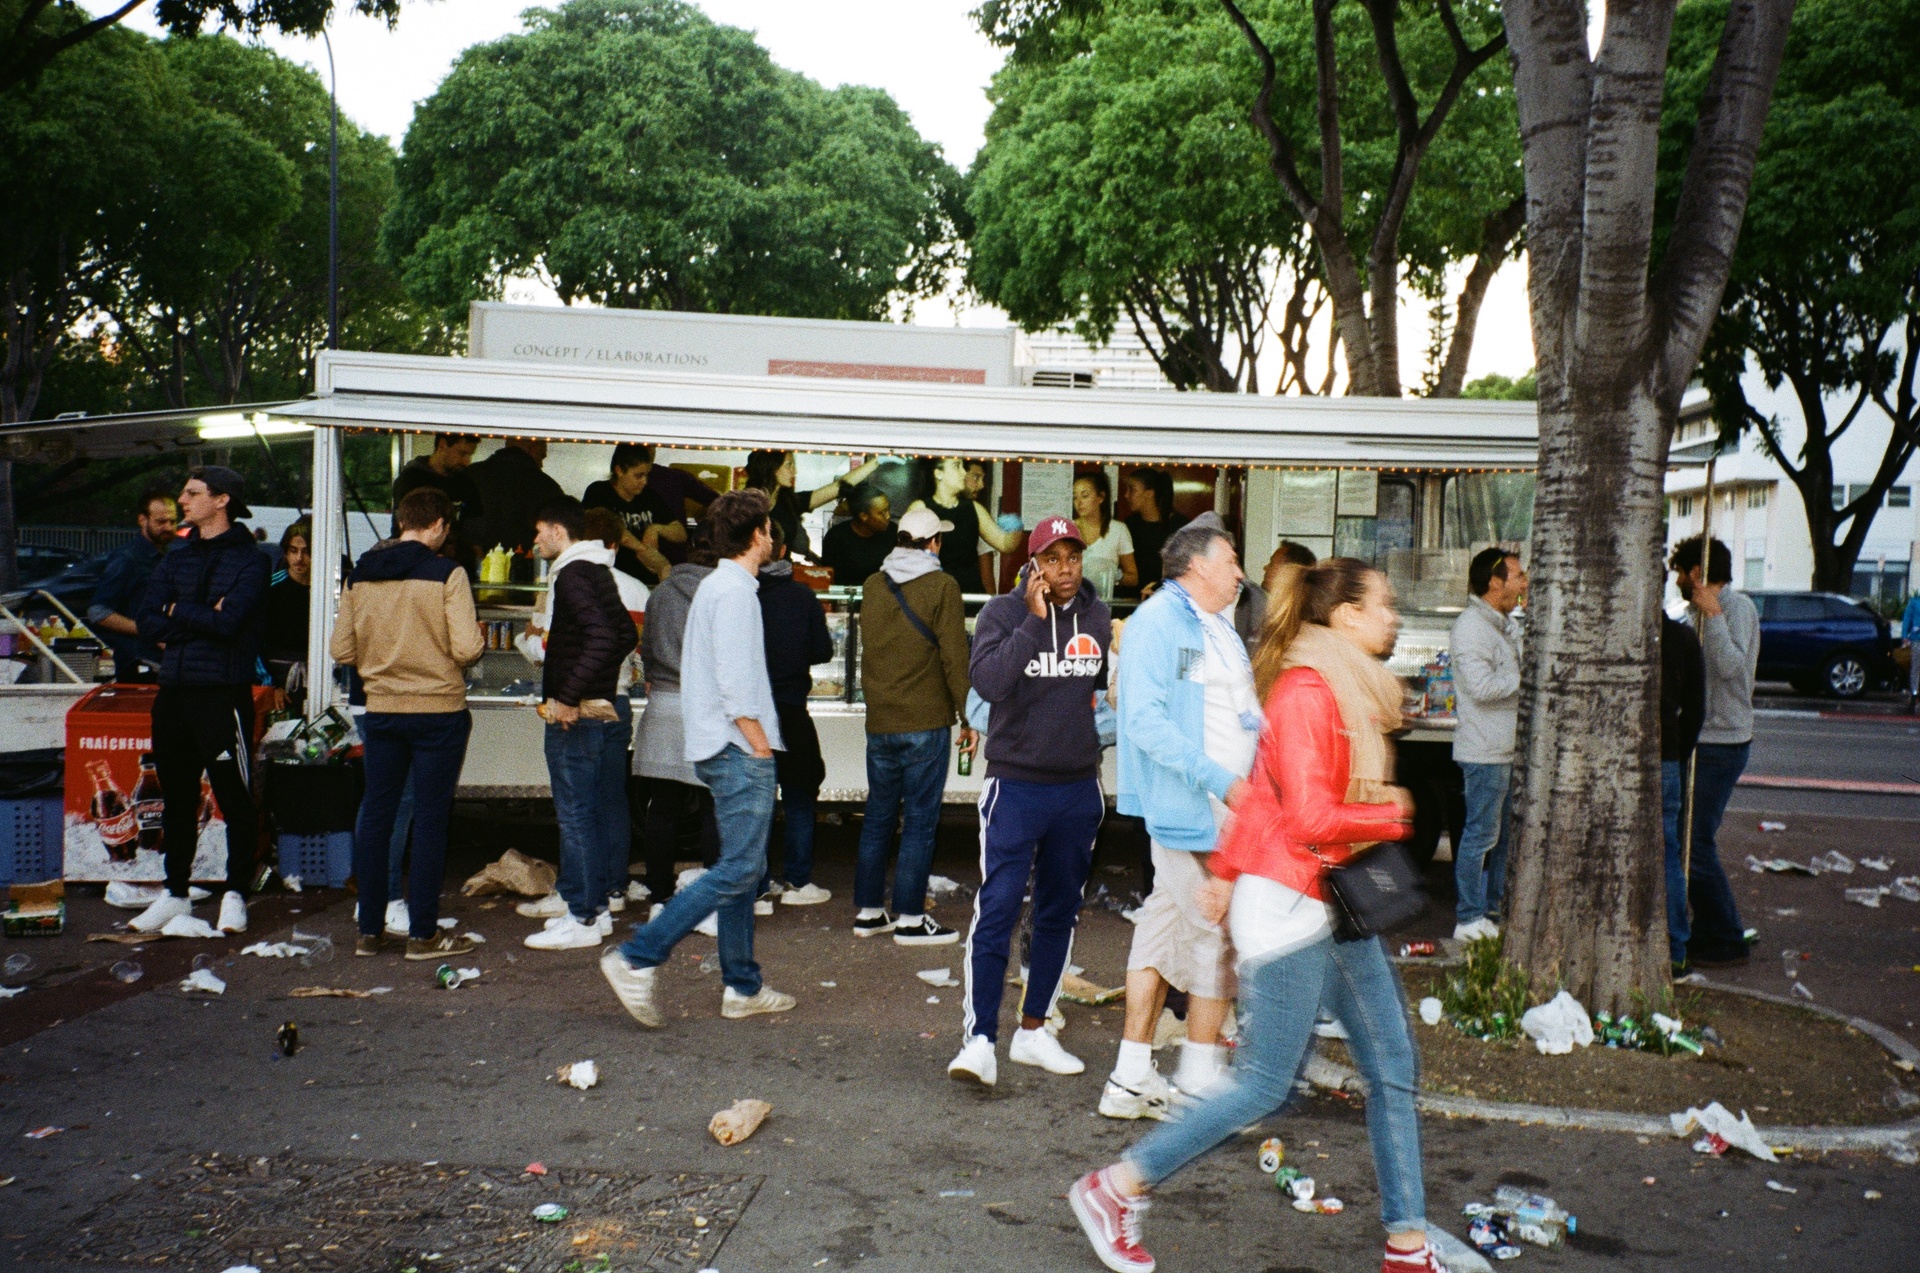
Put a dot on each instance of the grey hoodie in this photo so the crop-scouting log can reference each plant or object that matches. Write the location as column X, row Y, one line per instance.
column 667, row 622
column 1730, row 647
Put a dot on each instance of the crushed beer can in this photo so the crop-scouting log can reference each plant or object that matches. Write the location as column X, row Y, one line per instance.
column 1419, row 950
column 549, row 1213
column 1272, row 1154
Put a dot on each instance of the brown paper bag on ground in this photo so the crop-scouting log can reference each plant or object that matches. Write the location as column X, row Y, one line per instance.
column 734, row 1124
column 515, row 872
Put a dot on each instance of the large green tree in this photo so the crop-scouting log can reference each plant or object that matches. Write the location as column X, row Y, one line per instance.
column 1824, row 296
column 1386, row 129
column 633, row 153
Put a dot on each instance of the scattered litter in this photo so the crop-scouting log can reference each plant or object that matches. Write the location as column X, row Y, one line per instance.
column 122, row 939
column 1800, row 988
column 1780, row 866
column 1649, row 1180
column 536, row 1169
column 581, row 1074
column 1329, row 1206
column 711, row 963
column 287, row 1041
column 329, row 992
column 738, row 1121
column 189, row 926
column 1455, row 1255
column 8, row 992
column 241, row 1268
column 1786, row 912
column 1872, row 1195
column 127, row 896
column 447, row 921
column 933, row 998
column 475, row 938
column 549, row 1213
column 1723, row 1131
column 1904, row 1154
column 941, row 886
column 1557, row 1025
column 128, row 971
column 1777, row 1187
column 1773, row 826
column 937, row 977
column 1869, row 897
column 1899, row 1098
column 203, row 979
column 1430, row 1010
column 830, row 985
column 1422, row 949
column 1077, row 989
column 17, row 964
column 514, row 872
column 1907, row 888
column 319, row 947
column 447, row 977
column 637, row 892
column 1836, row 862
column 291, row 883
column 274, row 950
column 41, row 1133
column 956, row 1193
column 1877, row 864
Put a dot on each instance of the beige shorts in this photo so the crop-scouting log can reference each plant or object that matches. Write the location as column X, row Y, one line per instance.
column 1170, row 937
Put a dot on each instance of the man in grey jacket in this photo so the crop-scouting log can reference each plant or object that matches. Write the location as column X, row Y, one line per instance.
column 1485, row 649
column 1728, row 625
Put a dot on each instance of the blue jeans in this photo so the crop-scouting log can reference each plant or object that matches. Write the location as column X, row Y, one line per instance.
column 1280, row 997
column 1480, row 860
column 908, row 769
column 1717, row 932
column 424, row 750
column 1673, row 790
column 801, row 771
column 743, row 788
column 587, row 766
column 397, row 846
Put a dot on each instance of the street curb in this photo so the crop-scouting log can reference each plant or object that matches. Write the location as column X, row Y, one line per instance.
column 1844, row 785
column 1331, row 1075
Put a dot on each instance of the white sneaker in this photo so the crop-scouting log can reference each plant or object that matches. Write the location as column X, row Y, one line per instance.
column 805, row 895
column 633, row 987
column 734, row 1005
column 603, row 923
column 233, row 914
column 976, row 1062
column 710, row 926
column 1475, row 930
column 570, row 934
column 653, row 912
column 543, row 908
column 396, row 922
column 1037, row 1047
column 159, row 913
column 1151, row 1099
column 761, row 906
column 616, row 902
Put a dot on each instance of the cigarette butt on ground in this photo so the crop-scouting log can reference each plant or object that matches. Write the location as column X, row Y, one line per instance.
column 739, row 1121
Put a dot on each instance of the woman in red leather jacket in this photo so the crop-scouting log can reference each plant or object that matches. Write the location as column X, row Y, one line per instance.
column 1318, row 794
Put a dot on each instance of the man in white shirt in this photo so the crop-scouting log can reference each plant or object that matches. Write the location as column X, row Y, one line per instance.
column 732, row 729
column 1485, row 649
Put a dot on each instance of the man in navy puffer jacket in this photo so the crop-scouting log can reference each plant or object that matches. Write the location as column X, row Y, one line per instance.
column 205, row 608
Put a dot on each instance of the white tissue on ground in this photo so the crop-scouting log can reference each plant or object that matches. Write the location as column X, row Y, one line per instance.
column 203, row 979
column 1557, row 1025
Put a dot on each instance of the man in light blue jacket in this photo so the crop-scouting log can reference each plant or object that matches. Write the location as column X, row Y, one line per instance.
column 1189, row 724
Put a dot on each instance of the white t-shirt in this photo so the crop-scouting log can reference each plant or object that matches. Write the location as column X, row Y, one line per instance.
column 1266, row 918
column 1101, row 562
column 1231, row 705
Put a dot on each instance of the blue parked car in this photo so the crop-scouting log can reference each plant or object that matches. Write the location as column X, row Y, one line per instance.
column 1823, row 643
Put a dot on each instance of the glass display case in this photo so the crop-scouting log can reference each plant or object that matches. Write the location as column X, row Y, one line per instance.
column 502, row 671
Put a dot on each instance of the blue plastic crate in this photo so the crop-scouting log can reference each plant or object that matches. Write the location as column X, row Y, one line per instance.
column 32, row 839
column 326, row 858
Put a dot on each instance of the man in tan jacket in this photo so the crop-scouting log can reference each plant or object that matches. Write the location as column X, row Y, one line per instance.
column 408, row 626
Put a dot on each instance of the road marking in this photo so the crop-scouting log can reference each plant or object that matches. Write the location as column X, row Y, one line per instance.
column 1850, row 786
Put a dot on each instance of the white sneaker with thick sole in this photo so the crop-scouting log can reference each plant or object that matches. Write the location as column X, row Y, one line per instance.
column 1152, row 1098
column 710, row 926
column 806, row 895
column 396, row 921
column 1474, row 930
column 603, row 923
column 569, row 934
column 233, row 914
column 976, row 1063
column 734, row 1005
column 1037, row 1047
column 543, row 908
column 633, row 987
column 762, row 906
column 159, row 913
column 616, row 902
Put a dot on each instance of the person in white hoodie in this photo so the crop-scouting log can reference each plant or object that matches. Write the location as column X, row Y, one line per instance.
column 1485, row 650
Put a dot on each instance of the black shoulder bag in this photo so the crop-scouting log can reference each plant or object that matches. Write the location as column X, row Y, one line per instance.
column 1372, row 893
column 919, row 624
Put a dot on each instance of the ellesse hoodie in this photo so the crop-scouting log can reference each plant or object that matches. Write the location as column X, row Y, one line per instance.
column 1040, row 675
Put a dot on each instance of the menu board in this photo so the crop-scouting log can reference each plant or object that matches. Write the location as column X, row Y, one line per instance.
column 1359, row 493
column 1046, row 490
column 1304, row 503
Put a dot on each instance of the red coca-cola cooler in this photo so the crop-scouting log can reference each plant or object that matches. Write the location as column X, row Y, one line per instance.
column 113, row 799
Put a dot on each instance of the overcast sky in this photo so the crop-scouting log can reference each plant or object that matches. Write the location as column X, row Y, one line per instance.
column 926, row 53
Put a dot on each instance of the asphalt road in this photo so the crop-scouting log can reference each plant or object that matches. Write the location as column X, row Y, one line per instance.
column 1816, row 738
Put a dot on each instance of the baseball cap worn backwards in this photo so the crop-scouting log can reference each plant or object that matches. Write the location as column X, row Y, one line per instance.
column 222, row 480
column 923, row 523
column 1051, row 531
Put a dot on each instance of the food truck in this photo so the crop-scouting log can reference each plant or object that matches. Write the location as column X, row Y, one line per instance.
column 1415, row 486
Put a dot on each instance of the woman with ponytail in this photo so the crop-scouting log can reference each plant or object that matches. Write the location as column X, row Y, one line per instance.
column 1319, row 793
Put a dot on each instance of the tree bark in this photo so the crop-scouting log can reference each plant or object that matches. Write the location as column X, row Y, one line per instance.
column 1616, row 346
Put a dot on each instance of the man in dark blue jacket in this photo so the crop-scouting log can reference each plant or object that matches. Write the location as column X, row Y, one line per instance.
column 795, row 629
column 114, row 611
column 205, row 609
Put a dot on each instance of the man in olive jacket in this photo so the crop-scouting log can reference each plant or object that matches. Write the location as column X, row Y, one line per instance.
column 913, row 637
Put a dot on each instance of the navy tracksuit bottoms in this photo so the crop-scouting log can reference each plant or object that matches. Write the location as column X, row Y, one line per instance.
column 1038, row 830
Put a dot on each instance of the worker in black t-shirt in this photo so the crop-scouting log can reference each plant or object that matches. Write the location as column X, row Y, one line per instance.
column 446, row 470
column 643, row 514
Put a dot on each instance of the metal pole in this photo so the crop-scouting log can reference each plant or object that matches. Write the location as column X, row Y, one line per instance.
column 1693, row 757
column 333, row 199
column 329, row 542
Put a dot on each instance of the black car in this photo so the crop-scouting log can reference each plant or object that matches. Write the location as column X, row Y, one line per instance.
column 72, row 582
column 1823, row 643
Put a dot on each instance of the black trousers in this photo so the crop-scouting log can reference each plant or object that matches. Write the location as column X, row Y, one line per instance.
column 678, row 813
column 206, row 729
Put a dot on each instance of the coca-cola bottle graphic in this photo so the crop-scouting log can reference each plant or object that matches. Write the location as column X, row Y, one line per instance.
column 113, row 815
column 148, row 807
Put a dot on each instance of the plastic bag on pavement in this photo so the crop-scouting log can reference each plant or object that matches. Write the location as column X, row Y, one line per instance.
column 514, row 872
column 203, row 979
column 1557, row 1025
column 189, row 926
column 1907, row 888
column 1866, row 896
column 1718, row 1123
column 1836, row 862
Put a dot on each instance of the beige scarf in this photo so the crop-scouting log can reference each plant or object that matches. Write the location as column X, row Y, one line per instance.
column 1369, row 698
